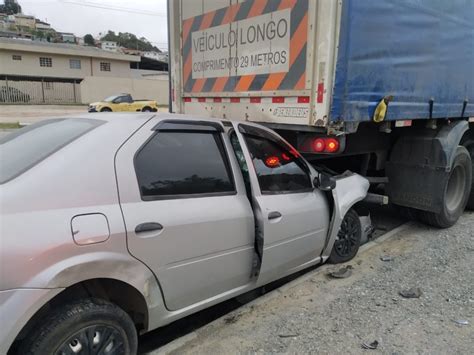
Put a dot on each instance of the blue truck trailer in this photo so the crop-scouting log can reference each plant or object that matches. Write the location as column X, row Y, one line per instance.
column 384, row 88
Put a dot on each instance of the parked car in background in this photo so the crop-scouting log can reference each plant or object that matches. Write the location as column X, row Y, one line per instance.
column 123, row 103
column 115, row 225
column 13, row 95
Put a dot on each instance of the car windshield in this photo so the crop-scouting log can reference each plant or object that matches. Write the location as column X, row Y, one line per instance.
column 21, row 150
column 111, row 98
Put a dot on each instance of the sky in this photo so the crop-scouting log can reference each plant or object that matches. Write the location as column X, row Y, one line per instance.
column 145, row 18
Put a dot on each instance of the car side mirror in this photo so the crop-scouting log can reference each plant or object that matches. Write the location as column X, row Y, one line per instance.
column 325, row 182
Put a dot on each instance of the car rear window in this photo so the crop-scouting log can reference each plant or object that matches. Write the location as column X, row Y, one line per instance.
column 21, row 150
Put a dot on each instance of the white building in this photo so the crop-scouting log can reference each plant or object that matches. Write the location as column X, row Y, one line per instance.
column 42, row 26
column 109, row 46
column 160, row 56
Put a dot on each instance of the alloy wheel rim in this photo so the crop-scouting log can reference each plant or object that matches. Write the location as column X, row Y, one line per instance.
column 94, row 340
column 347, row 237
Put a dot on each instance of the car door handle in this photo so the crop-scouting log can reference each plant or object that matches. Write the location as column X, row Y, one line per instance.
column 148, row 227
column 274, row 215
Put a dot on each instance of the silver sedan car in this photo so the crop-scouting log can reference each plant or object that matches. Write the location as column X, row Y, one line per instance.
column 115, row 226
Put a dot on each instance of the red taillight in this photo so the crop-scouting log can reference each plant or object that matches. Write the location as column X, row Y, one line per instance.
column 319, row 145
column 285, row 157
column 325, row 145
column 187, row 99
column 272, row 162
column 332, row 145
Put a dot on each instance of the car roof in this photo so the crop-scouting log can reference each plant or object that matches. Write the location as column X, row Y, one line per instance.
column 137, row 119
column 120, row 117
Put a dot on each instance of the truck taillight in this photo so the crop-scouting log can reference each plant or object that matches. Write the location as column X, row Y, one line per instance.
column 319, row 145
column 332, row 145
column 325, row 145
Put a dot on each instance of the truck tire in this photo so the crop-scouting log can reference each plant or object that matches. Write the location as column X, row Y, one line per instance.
column 93, row 325
column 470, row 201
column 456, row 192
column 407, row 212
column 348, row 239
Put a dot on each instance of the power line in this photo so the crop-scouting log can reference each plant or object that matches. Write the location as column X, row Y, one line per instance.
column 113, row 8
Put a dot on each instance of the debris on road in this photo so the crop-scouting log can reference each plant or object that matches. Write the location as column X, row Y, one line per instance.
column 414, row 292
column 370, row 346
column 386, row 258
column 461, row 321
column 342, row 273
column 288, row 335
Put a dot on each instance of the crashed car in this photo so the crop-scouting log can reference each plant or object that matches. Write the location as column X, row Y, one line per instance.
column 115, row 225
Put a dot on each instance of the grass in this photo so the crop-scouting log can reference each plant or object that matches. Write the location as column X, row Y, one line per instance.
column 10, row 125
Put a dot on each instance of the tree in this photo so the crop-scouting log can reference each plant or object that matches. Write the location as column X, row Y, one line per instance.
column 129, row 40
column 10, row 7
column 89, row 40
column 38, row 34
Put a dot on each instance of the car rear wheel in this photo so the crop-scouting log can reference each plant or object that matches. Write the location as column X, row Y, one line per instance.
column 106, row 109
column 147, row 109
column 457, row 189
column 348, row 239
column 89, row 326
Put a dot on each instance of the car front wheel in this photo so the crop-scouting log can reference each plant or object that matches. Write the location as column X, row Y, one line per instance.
column 348, row 239
column 89, row 326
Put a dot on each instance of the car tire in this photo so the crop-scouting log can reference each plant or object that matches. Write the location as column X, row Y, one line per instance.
column 91, row 324
column 106, row 109
column 147, row 109
column 348, row 239
column 457, row 190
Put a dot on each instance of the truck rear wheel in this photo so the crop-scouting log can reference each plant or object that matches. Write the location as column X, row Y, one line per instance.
column 456, row 192
column 470, row 202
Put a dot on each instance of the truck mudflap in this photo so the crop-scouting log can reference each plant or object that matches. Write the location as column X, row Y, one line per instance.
column 421, row 162
column 350, row 189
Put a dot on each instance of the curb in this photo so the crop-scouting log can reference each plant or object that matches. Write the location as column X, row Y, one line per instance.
column 181, row 342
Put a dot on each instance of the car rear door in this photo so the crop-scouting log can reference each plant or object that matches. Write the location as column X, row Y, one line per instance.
column 292, row 217
column 187, row 214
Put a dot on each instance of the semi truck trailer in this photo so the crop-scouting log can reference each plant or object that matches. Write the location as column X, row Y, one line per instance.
column 384, row 88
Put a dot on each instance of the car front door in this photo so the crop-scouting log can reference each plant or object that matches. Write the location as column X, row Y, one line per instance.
column 186, row 211
column 291, row 215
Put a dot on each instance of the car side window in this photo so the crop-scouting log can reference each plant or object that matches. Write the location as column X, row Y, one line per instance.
column 279, row 170
column 179, row 164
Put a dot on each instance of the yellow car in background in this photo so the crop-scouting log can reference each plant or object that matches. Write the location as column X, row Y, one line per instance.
column 123, row 103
